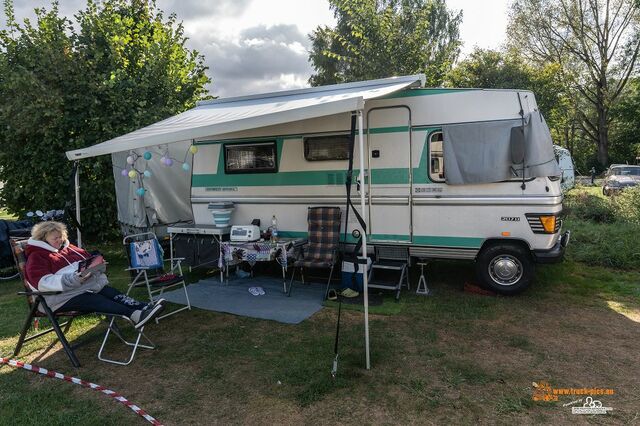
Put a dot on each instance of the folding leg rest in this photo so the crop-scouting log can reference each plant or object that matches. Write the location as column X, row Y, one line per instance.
column 146, row 260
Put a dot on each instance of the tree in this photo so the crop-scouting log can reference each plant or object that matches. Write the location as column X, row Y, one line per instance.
column 493, row 69
column 381, row 38
column 596, row 43
column 65, row 87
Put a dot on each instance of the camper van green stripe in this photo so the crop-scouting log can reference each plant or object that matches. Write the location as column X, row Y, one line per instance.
column 423, row 92
column 461, row 242
column 303, row 178
column 379, row 130
column 465, row 242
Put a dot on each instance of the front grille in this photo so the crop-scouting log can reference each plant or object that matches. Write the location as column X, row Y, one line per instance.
column 536, row 224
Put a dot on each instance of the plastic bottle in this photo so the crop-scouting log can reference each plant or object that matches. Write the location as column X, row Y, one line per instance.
column 274, row 228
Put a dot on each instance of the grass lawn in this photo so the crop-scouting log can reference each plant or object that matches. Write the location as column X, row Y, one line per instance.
column 451, row 358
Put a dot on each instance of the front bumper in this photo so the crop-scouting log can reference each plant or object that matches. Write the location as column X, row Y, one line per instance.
column 554, row 254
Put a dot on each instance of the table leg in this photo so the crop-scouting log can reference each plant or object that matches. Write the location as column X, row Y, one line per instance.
column 284, row 279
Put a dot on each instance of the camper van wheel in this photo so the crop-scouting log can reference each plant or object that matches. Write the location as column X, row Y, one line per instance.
column 505, row 268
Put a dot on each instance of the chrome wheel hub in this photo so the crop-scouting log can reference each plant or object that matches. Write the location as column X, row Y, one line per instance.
column 505, row 270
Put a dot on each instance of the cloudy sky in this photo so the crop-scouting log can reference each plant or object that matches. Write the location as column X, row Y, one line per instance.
column 256, row 46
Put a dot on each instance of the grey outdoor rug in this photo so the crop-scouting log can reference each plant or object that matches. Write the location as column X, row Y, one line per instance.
column 234, row 298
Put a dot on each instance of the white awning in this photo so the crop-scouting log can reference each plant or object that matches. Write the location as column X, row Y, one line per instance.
column 218, row 117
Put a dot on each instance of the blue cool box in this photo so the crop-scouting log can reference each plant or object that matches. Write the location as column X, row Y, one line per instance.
column 347, row 275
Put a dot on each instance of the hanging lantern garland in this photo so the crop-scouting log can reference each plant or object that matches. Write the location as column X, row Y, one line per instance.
column 138, row 175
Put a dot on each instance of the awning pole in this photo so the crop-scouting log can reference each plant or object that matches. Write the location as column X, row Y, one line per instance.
column 365, row 278
column 77, row 182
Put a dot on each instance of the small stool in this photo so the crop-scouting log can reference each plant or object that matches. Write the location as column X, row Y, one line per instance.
column 422, row 282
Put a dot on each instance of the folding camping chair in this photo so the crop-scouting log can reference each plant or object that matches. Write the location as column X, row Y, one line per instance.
column 391, row 258
column 324, row 239
column 146, row 264
column 38, row 308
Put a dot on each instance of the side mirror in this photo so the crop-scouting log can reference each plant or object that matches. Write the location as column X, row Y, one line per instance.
column 517, row 145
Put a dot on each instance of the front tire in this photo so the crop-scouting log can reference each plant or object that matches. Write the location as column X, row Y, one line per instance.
column 505, row 268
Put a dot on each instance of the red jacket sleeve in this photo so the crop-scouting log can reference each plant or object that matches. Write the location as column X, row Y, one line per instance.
column 38, row 266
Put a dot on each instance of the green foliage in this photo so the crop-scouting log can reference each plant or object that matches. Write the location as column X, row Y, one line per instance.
column 604, row 229
column 491, row 69
column 380, row 38
column 625, row 127
column 597, row 45
column 63, row 87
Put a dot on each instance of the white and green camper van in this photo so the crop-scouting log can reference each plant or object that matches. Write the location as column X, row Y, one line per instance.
column 505, row 226
column 449, row 173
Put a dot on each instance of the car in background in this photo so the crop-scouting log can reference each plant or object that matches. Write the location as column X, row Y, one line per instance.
column 619, row 177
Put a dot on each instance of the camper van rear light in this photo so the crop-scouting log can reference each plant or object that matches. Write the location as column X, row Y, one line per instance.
column 543, row 223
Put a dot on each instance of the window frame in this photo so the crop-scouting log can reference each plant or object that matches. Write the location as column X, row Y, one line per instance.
column 271, row 142
column 429, row 170
column 306, row 139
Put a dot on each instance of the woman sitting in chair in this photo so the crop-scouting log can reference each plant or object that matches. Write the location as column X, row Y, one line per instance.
column 52, row 265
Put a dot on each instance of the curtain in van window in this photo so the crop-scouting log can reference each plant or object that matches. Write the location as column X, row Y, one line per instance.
column 480, row 152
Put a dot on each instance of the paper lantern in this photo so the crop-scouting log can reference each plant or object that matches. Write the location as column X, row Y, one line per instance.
column 131, row 159
column 147, row 174
column 140, row 191
column 186, row 167
column 193, row 149
column 147, row 155
column 167, row 161
column 124, row 172
column 133, row 174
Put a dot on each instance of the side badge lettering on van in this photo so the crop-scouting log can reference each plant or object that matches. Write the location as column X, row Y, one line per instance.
column 510, row 219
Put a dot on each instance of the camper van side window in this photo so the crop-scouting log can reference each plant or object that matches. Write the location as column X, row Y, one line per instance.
column 325, row 148
column 436, row 159
column 250, row 158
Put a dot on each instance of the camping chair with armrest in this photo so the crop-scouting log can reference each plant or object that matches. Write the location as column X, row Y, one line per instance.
column 38, row 308
column 391, row 258
column 321, row 251
column 147, row 267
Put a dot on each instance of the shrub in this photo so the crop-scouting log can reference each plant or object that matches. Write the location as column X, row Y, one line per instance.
column 627, row 205
column 585, row 205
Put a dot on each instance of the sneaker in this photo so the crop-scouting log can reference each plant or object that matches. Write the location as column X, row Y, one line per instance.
column 347, row 292
column 148, row 314
column 261, row 291
column 254, row 291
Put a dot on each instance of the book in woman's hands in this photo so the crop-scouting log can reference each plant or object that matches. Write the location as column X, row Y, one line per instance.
column 92, row 264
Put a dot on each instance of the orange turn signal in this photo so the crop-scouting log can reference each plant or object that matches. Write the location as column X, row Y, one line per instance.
column 506, row 234
column 548, row 223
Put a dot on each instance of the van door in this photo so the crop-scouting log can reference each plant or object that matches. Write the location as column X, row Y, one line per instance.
column 389, row 145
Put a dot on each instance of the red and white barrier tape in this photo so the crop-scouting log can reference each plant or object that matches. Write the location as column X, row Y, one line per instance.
column 121, row 399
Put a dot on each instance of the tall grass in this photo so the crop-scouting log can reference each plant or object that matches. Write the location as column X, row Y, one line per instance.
column 604, row 229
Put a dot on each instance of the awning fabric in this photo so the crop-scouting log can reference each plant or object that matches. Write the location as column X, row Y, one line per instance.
column 213, row 118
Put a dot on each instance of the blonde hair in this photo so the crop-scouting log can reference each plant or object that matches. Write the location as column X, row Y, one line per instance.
column 42, row 229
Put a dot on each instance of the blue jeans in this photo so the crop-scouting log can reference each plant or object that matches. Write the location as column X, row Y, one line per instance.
column 108, row 301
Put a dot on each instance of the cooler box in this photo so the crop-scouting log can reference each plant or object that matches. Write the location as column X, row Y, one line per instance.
column 347, row 274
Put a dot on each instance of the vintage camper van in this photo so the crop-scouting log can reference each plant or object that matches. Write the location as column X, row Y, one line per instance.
column 565, row 162
column 446, row 173
column 438, row 209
